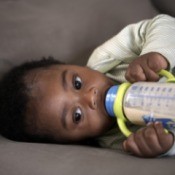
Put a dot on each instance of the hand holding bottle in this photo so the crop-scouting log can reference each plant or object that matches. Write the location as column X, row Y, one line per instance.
column 150, row 141
column 145, row 67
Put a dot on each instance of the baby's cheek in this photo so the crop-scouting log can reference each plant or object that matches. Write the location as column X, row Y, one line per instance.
column 92, row 122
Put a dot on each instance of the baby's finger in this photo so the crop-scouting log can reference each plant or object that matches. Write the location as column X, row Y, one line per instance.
column 135, row 73
column 142, row 144
column 151, row 138
column 159, row 62
column 165, row 139
column 150, row 74
column 129, row 145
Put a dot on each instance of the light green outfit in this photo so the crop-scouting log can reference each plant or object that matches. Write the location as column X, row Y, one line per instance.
column 113, row 57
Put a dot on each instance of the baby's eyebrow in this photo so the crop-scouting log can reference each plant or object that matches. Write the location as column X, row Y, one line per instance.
column 64, row 79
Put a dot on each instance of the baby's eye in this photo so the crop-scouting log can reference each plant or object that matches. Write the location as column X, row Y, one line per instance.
column 77, row 83
column 77, row 115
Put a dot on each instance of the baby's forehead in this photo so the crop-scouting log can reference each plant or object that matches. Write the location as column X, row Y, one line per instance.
column 32, row 80
column 37, row 78
column 30, row 77
column 37, row 73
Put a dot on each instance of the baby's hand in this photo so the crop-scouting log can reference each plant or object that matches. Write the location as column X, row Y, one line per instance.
column 150, row 141
column 145, row 67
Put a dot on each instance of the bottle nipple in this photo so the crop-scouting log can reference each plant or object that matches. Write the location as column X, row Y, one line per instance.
column 109, row 100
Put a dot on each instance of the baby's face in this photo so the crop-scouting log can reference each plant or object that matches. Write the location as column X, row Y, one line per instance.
column 68, row 102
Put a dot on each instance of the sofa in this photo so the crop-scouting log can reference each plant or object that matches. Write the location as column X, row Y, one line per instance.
column 69, row 30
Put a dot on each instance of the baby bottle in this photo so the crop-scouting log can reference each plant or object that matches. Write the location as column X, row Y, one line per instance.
column 142, row 102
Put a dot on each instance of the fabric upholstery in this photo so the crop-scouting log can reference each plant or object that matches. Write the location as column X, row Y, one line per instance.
column 69, row 31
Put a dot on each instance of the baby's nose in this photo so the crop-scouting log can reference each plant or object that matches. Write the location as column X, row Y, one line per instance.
column 91, row 98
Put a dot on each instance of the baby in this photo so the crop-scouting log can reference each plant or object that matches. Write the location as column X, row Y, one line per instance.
column 50, row 101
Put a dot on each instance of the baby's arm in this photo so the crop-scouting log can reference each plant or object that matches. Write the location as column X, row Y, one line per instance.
column 150, row 141
column 145, row 67
column 155, row 35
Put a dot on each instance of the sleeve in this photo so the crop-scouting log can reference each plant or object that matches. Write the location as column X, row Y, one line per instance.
column 154, row 35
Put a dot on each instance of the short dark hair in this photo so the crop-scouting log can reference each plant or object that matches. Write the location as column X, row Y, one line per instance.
column 14, row 98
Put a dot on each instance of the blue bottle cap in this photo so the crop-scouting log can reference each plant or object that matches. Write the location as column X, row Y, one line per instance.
column 110, row 98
